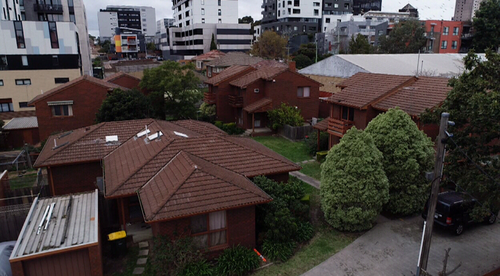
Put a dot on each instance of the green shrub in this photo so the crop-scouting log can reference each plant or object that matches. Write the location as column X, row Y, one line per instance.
column 199, row 268
column 353, row 183
column 171, row 255
column 207, row 112
column 232, row 129
column 305, row 232
column 407, row 154
column 237, row 260
column 285, row 115
column 218, row 124
column 278, row 251
column 312, row 142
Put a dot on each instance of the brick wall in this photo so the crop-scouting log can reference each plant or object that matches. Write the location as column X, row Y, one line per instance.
column 74, row 178
column 16, row 138
column 87, row 97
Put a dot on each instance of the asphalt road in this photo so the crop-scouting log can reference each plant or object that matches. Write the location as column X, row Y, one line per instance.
column 392, row 248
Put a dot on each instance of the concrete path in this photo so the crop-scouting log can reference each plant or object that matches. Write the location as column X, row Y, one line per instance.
column 392, row 248
column 142, row 259
column 307, row 179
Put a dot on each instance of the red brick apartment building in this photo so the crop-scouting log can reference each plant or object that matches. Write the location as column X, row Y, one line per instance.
column 188, row 176
column 365, row 95
column 443, row 36
column 243, row 94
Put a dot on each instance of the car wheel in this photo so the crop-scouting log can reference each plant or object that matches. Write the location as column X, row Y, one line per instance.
column 492, row 219
column 459, row 229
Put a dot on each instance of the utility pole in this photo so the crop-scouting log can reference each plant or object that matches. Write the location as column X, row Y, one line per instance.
column 425, row 245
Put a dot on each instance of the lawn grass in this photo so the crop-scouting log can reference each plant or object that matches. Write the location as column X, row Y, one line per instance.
column 312, row 169
column 295, row 151
column 325, row 243
column 25, row 181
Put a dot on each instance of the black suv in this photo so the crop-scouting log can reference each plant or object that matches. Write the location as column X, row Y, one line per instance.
column 453, row 211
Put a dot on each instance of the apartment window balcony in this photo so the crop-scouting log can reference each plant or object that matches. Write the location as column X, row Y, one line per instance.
column 71, row 9
column 48, row 8
column 339, row 127
column 209, row 98
column 235, row 101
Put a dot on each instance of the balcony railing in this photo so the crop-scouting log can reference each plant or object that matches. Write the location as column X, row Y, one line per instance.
column 235, row 101
column 48, row 8
column 339, row 127
column 209, row 98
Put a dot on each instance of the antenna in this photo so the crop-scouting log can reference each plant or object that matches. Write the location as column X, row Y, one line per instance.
column 418, row 62
column 422, row 68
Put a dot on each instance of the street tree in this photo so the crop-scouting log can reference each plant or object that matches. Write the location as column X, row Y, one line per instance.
column 353, row 183
column 408, row 155
column 270, row 45
column 213, row 46
column 174, row 90
column 245, row 20
column 302, row 61
column 359, row 45
column 406, row 37
column 472, row 162
column 123, row 105
column 486, row 25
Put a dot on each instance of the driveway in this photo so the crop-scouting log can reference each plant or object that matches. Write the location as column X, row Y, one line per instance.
column 392, row 247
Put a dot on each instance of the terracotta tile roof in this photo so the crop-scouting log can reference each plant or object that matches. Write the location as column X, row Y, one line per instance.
column 17, row 114
column 227, row 73
column 210, row 55
column 426, row 92
column 265, row 73
column 365, row 88
column 234, row 58
column 61, row 87
column 322, row 125
column 261, row 105
column 119, row 75
column 189, row 185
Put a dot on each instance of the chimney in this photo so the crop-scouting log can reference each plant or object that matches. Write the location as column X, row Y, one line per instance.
column 291, row 66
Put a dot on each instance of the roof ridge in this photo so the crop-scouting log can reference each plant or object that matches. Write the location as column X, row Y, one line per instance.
column 411, row 80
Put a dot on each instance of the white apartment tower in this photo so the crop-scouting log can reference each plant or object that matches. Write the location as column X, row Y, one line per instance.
column 189, row 12
column 131, row 19
column 10, row 10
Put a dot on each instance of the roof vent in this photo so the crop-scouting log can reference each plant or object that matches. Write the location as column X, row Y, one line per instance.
column 154, row 136
column 144, row 132
column 180, row 134
column 111, row 138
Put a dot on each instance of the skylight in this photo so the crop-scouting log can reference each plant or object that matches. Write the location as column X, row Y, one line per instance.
column 180, row 134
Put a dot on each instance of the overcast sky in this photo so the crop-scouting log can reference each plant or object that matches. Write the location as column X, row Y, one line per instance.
column 428, row 9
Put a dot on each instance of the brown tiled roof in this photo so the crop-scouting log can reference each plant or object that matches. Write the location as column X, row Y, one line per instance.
column 210, row 55
column 61, row 87
column 189, row 185
column 426, row 92
column 265, row 73
column 363, row 89
column 227, row 73
column 119, row 75
column 261, row 105
column 16, row 114
column 322, row 125
column 234, row 58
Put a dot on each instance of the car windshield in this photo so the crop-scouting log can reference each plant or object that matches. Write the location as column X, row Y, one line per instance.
column 442, row 208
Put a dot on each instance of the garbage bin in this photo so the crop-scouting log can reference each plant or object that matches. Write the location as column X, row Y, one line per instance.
column 118, row 243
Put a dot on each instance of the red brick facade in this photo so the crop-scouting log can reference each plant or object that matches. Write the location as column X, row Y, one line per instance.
column 240, row 228
column 87, row 98
column 443, row 36
column 76, row 178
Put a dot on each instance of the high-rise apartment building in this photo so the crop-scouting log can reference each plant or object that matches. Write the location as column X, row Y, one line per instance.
column 363, row 6
column 10, row 10
column 126, row 19
column 292, row 16
column 465, row 10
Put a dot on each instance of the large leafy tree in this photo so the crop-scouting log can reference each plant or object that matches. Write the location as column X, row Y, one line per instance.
column 123, row 105
column 408, row 154
column 359, row 45
column 270, row 45
column 406, row 37
column 353, row 183
column 474, row 106
column 302, row 61
column 245, row 20
column 174, row 90
column 486, row 26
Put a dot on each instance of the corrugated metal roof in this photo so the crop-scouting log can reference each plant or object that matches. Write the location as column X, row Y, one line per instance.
column 21, row 123
column 345, row 66
column 81, row 223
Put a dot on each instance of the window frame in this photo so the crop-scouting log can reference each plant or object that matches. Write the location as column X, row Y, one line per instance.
column 54, row 40
column 23, row 81
column 348, row 112
column 446, row 30
column 19, row 32
column 58, row 111
column 444, row 44
column 300, row 94
column 208, row 231
column 8, row 102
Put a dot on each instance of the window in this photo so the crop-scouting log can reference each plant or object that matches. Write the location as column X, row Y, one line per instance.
column 316, row 4
column 346, row 6
column 220, row 20
column 296, row 11
column 303, row 92
column 61, row 110
column 61, row 80
column 453, row 45
column 446, row 30
column 18, row 26
column 203, row 2
column 202, row 11
column 6, row 105
column 23, row 104
column 296, row 3
column 316, row 12
column 53, row 35
column 187, row 13
column 209, row 230
column 55, row 61
column 219, row 12
column 1, row 82
column 327, row 20
column 72, row 18
column 455, row 31
column 336, row 6
column 347, row 113
column 23, row 81
column 24, row 60
column 203, row 20
column 219, row 2
column 444, row 44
